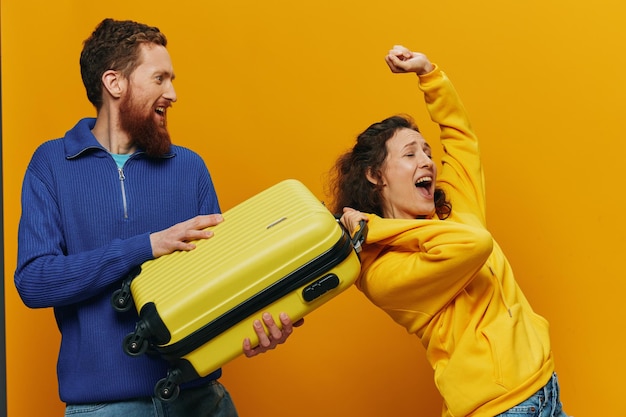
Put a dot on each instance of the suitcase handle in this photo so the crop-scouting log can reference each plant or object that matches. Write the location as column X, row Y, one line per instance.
column 359, row 236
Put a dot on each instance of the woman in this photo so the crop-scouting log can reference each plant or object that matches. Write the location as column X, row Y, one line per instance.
column 430, row 263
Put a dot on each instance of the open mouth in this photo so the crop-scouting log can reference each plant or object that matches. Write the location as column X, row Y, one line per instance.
column 160, row 111
column 424, row 184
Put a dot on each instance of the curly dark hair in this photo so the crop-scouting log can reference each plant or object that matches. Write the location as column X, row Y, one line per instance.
column 349, row 184
column 114, row 45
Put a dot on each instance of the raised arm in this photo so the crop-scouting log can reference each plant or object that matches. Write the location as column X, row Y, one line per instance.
column 461, row 175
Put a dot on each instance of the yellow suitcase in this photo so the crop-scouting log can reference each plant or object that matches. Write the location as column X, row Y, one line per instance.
column 279, row 251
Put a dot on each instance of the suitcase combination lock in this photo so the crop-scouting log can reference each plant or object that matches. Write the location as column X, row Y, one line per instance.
column 320, row 287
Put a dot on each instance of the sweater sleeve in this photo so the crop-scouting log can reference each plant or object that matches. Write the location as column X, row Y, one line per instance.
column 46, row 276
column 209, row 203
column 414, row 268
column 461, row 175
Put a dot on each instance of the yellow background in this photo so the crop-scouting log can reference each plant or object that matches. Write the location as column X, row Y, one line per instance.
column 277, row 89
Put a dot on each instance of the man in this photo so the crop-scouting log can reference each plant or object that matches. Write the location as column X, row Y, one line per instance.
column 108, row 196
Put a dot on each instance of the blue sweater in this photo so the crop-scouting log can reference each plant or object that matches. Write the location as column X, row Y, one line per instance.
column 85, row 224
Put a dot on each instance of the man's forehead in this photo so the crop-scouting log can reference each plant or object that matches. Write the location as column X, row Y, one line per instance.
column 156, row 57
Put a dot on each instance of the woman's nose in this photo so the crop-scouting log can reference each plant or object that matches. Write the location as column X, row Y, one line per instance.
column 425, row 161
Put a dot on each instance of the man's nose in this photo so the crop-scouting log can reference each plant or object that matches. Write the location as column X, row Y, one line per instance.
column 170, row 93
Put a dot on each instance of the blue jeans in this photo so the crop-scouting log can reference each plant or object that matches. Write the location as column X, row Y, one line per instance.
column 544, row 403
column 208, row 400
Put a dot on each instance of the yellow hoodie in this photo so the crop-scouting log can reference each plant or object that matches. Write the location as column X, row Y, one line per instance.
column 449, row 282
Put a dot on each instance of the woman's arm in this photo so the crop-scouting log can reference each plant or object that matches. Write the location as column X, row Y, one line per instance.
column 461, row 175
column 419, row 266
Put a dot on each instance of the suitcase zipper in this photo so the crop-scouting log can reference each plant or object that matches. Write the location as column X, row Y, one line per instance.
column 303, row 275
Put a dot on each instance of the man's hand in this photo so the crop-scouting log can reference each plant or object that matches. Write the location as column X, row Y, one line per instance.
column 179, row 236
column 276, row 335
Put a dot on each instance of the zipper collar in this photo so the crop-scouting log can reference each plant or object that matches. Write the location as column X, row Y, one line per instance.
column 80, row 141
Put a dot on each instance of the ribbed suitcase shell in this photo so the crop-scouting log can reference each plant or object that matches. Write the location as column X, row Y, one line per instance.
column 261, row 241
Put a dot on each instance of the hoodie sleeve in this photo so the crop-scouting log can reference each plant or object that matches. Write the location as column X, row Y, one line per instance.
column 414, row 268
column 461, row 175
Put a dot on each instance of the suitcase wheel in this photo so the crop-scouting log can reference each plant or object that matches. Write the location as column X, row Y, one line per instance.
column 135, row 345
column 166, row 390
column 121, row 300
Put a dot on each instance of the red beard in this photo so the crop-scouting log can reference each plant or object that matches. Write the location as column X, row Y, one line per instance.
column 142, row 128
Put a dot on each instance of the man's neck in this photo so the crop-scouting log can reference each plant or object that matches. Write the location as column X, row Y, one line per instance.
column 110, row 136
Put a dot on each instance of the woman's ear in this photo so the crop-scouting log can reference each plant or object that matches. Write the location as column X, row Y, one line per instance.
column 374, row 179
column 114, row 83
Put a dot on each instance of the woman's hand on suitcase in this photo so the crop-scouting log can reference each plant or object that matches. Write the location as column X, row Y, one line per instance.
column 180, row 236
column 351, row 219
column 274, row 336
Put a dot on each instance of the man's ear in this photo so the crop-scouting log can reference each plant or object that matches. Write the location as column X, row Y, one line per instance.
column 114, row 83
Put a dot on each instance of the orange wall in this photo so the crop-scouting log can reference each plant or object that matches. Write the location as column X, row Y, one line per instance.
column 271, row 90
